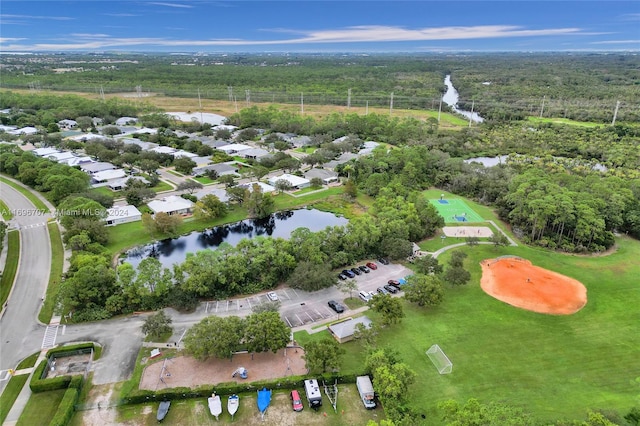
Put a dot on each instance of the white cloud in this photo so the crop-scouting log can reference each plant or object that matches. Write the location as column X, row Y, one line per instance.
column 52, row 18
column 358, row 34
column 178, row 5
column 617, row 42
column 10, row 39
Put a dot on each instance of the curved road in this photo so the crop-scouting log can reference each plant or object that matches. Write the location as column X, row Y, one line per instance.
column 20, row 331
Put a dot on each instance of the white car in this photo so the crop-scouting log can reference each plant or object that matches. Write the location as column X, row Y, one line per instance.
column 365, row 296
column 272, row 296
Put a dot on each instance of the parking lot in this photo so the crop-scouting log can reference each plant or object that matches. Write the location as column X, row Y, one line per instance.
column 301, row 307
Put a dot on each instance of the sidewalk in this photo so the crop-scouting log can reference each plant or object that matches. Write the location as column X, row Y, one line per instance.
column 23, row 397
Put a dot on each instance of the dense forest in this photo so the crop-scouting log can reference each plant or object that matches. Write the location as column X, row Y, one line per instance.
column 501, row 86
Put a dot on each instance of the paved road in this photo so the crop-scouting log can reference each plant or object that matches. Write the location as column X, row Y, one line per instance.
column 20, row 332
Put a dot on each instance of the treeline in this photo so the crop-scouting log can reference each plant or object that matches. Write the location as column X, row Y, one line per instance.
column 252, row 266
column 502, row 87
column 37, row 109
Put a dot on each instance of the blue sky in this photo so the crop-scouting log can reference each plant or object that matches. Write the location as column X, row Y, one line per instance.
column 318, row 26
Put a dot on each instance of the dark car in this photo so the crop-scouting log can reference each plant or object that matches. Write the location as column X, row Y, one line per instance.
column 394, row 283
column 391, row 289
column 383, row 260
column 296, row 401
column 342, row 276
column 336, row 306
column 382, row 290
column 372, row 266
column 364, row 269
column 356, row 271
column 348, row 273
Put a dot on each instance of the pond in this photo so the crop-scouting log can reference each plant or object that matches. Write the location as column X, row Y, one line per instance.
column 488, row 161
column 174, row 250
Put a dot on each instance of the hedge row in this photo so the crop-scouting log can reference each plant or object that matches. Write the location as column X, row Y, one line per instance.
column 66, row 408
column 38, row 384
column 229, row 388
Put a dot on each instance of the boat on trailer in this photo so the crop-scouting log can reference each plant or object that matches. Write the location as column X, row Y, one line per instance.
column 232, row 404
column 215, row 405
column 264, row 399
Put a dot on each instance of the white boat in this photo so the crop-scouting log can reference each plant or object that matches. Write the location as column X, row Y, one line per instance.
column 233, row 404
column 215, row 405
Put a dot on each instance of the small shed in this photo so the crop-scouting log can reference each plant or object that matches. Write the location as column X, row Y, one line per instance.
column 343, row 331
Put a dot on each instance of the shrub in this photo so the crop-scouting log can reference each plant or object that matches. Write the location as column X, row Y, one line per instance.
column 66, row 408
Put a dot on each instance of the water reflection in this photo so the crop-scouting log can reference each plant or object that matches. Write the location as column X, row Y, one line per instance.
column 281, row 224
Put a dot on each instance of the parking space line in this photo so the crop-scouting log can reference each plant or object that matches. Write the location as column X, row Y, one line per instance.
column 217, row 305
column 301, row 322
column 319, row 314
column 295, row 292
column 249, row 302
column 288, row 322
column 286, row 294
column 238, row 303
column 310, row 317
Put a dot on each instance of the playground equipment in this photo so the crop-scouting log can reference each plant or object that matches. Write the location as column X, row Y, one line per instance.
column 240, row 371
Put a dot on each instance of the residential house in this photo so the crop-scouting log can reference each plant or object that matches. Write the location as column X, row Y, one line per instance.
column 254, row 153
column 125, row 121
column 234, row 148
column 218, row 192
column 266, row 189
column 67, row 124
column 171, row 205
column 45, row 152
column 120, row 184
column 220, row 168
column 108, row 175
column 98, row 166
column 61, row 157
column 296, row 182
column 327, row 176
column 122, row 214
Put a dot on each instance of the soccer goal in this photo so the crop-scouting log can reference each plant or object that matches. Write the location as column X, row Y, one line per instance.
column 439, row 359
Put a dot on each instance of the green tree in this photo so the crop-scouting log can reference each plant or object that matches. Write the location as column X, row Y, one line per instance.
column 258, row 204
column 157, row 325
column 499, row 240
column 323, row 355
column 228, row 180
column 389, row 307
column 75, row 208
column 216, row 337
column 265, row 331
column 350, row 189
column 269, row 306
column 167, row 224
column 366, row 335
column 424, row 290
column 428, row 265
column 392, row 383
column 84, row 123
column 473, row 413
column 310, row 276
column 209, row 207
column 148, row 166
column 184, row 165
column 348, row 286
column 189, row 186
column 456, row 275
column 283, row 185
column 457, row 258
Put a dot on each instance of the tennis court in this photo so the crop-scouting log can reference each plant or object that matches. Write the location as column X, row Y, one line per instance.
column 454, row 210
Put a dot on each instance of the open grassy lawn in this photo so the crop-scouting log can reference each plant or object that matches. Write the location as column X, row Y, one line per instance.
column 35, row 200
column 5, row 213
column 105, row 190
column 55, row 274
column 41, row 408
column 555, row 367
column 10, row 394
column 162, row 186
column 204, row 180
column 10, row 266
column 558, row 120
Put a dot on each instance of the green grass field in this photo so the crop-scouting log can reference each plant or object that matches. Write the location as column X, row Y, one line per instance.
column 458, row 208
column 556, row 367
column 41, row 408
column 55, row 274
column 10, row 394
column 10, row 266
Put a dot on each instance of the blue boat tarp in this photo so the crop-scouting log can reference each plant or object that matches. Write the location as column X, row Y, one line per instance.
column 264, row 399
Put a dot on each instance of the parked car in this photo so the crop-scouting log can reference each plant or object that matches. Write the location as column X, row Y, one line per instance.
column 342, row 276
column 382, row 290
column 296, row 401
column 336, row 306
column 372, row 266
column 394, row 283
column 272, row 296
column 348, row 273
column 365, row 296
column 356, row 271
column 383, row 260
column 391, row 289
column 364, row 269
